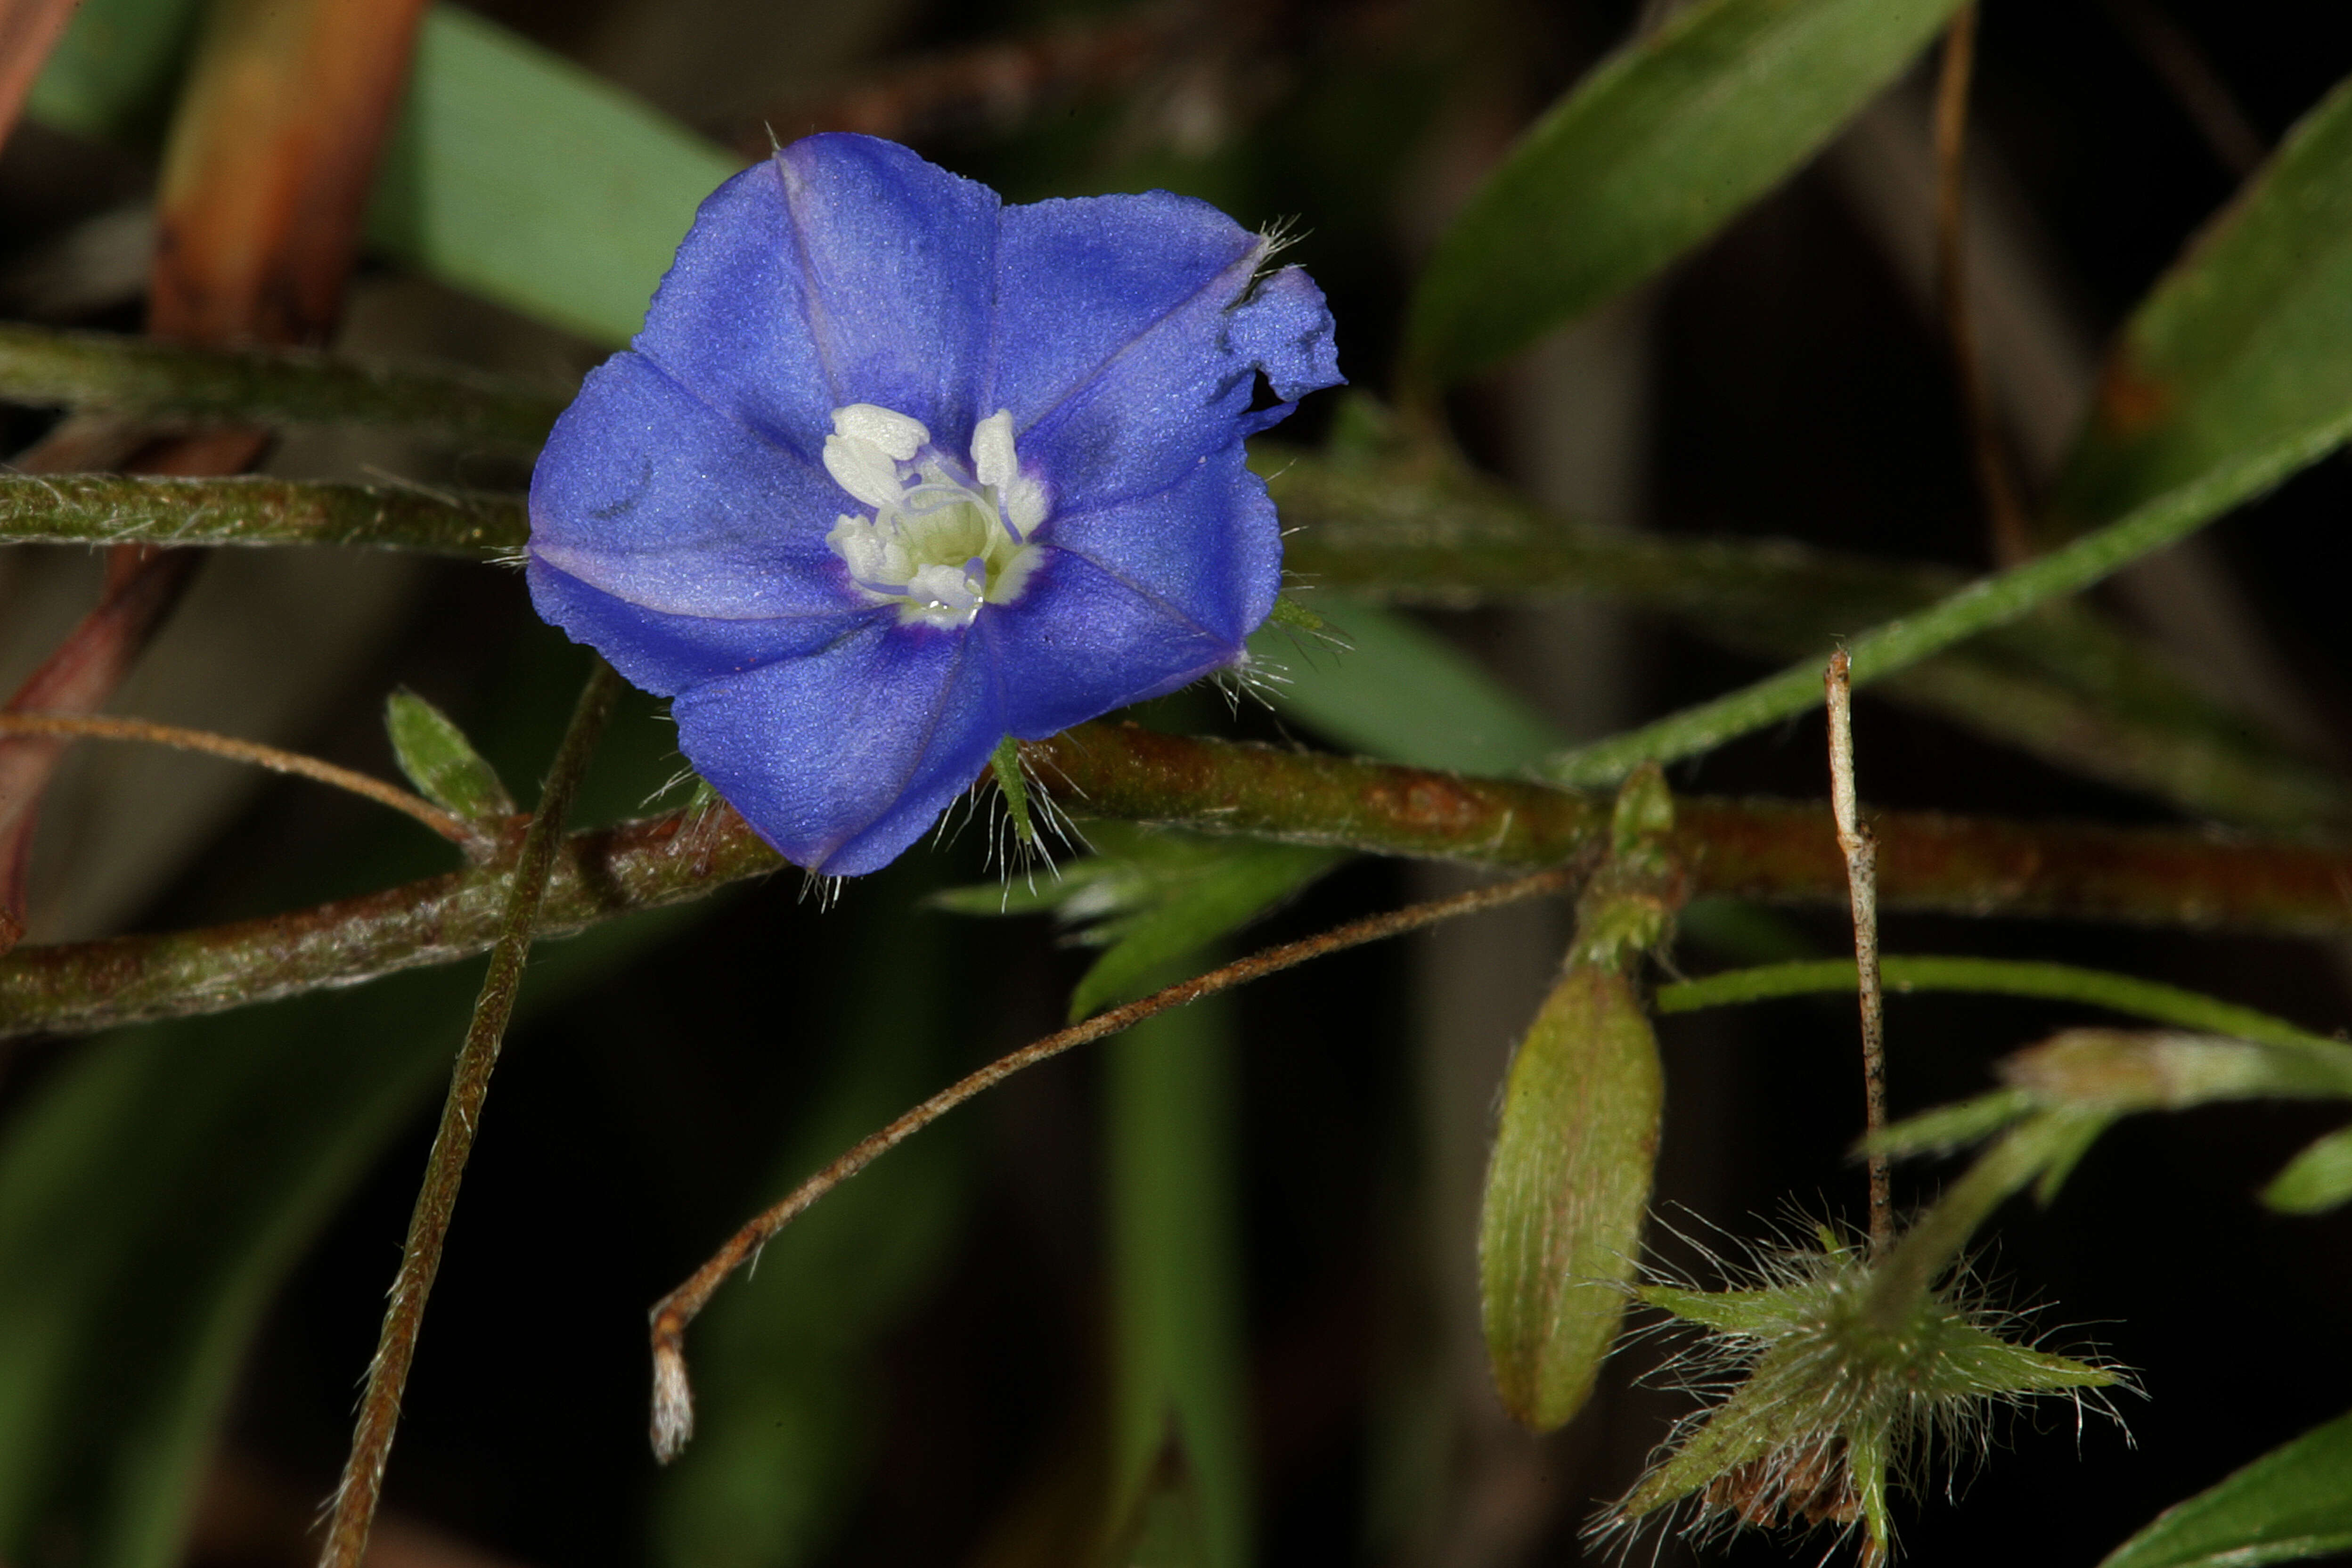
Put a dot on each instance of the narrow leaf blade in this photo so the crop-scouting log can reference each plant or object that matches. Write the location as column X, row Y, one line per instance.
column 1658, row 148
column 1400, row 692
column 2243, row 349
column 2293, row 1502
column 518, row 176
column 2317, row 1180
column 1241, row 883
column 442, row 763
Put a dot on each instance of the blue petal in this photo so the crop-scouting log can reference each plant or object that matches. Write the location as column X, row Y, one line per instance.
column 1085, row 643
column 1286, row 327
column 665, row 654
column 898, row 259
column 1207, row 546
column 1121, row 348
column 1080, row 281
column 649, row 494
column 844, row 759
column 732, row 322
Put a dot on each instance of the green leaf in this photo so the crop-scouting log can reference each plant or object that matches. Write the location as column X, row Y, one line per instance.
column 2244, row 348
column 516, row 175
column 2315, row 1180
column 109, row 73
column 1956, row 1126
column 1229, row 885
column 1567, row 1185
column 1395, row 691
column 441, row 763
column 1658, row 148
column 1179, row 1366
column 2293, row 1502
column 785, row 1420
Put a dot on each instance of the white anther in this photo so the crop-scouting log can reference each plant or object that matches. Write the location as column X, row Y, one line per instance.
column 1020, row 499
column 993, row 461
column 901, row 435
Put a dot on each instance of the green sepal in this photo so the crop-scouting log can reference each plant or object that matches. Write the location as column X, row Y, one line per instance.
column 441, row 763
column 1005, row 763
column 1289, row 612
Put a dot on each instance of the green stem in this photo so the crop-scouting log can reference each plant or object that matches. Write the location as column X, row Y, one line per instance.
column 121, row 509
column 2124, row 994
column 1898, row 644
column 184, row 384
column 461, row 1117
column 1935, row 1238
column 2067, row 684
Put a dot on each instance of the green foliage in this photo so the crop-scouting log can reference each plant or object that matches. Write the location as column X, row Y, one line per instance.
column 2244, row 348
column 1389, row 688
column 2318, row 1179
column 1654, row 151
column 1178, row 1429
column 441, row 763
column 1150, row 898
column 2293, row 1502
column 485, row 185
column 107, row 76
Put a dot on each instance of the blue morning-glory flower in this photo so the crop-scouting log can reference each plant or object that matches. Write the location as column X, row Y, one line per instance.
column 895, row 471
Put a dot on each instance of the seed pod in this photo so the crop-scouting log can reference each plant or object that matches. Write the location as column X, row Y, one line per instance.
column 1567, row 1187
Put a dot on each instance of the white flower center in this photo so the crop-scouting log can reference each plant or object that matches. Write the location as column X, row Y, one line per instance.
column 943, row 539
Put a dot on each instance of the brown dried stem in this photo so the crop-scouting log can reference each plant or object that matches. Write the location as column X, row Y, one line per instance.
column 673, row 1407
column 2010, row 540
column 1861, row 852
column 109, row 727
column 453, row 1141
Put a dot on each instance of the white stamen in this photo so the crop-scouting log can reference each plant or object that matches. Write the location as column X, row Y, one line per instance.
column 895, row 432
column 991, row 449
column 943, row 540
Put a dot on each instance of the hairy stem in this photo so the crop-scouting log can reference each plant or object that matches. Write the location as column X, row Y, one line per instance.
column 453, row 1141
column 123, row 509
column 1784, row 851
column 673, row 1410
column 182, row 383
